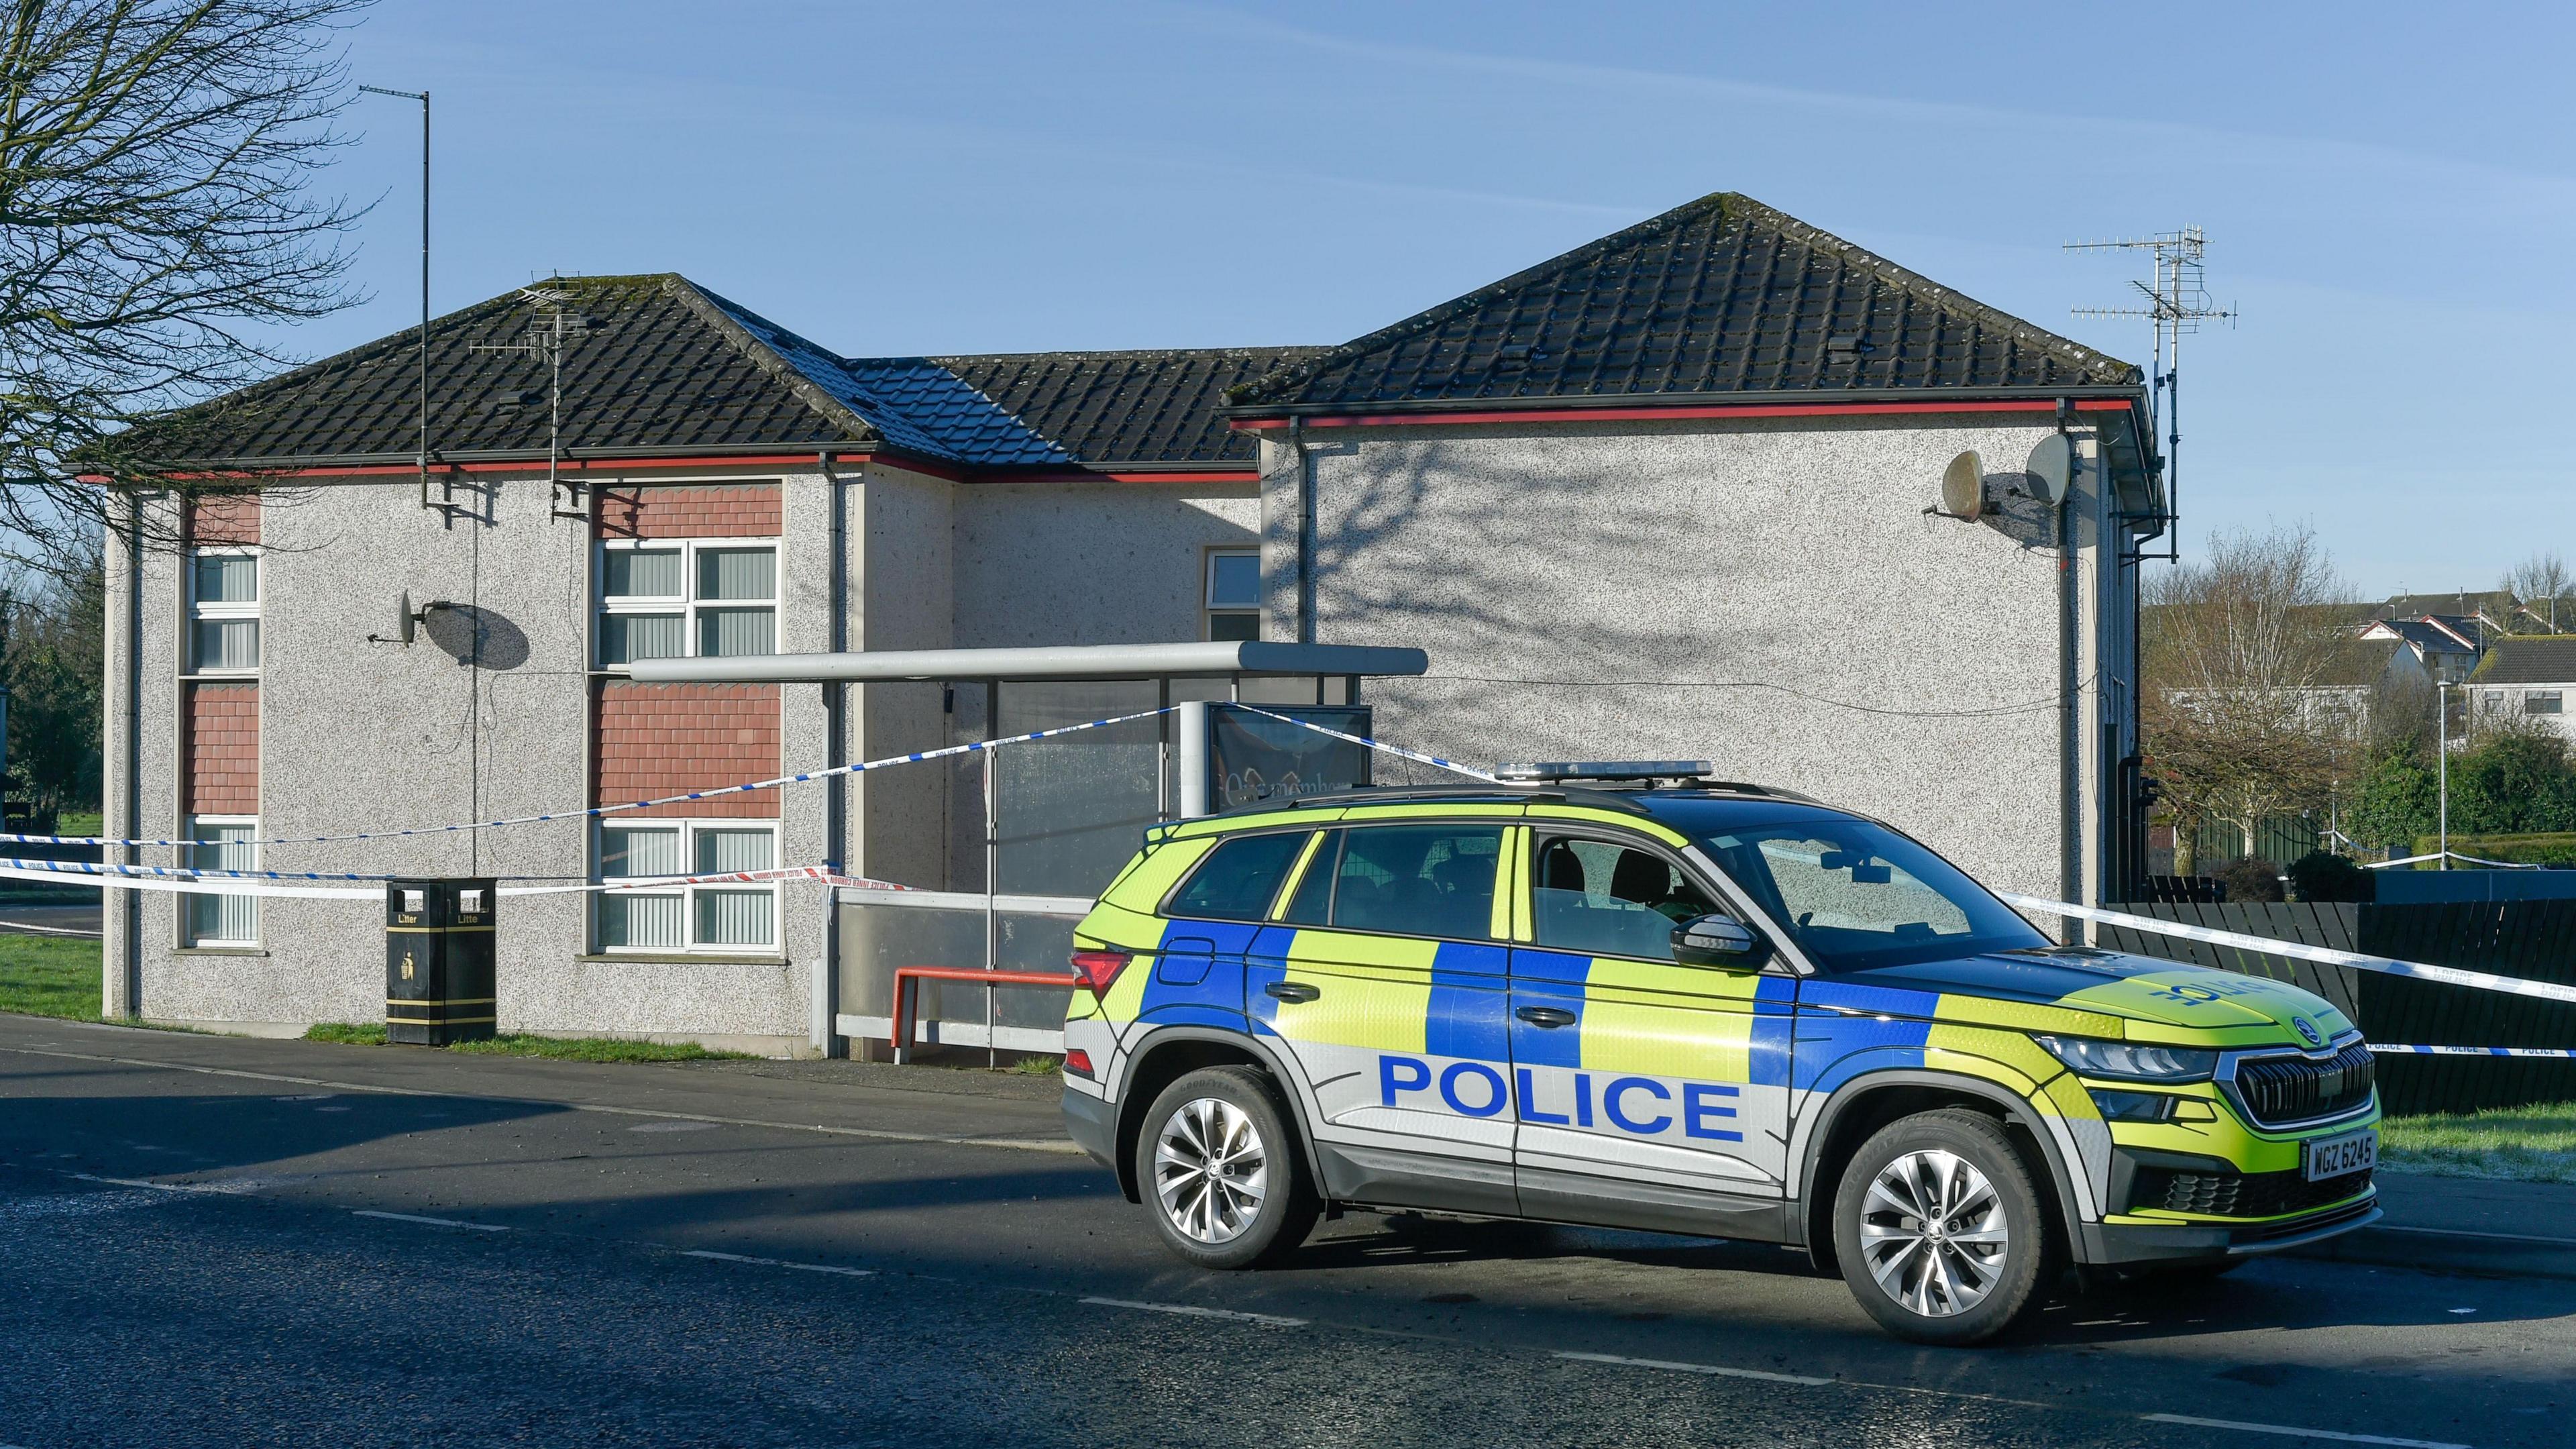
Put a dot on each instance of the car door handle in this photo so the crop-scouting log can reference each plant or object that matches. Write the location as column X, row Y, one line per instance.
column 1291, row 991
column 1548, row 1016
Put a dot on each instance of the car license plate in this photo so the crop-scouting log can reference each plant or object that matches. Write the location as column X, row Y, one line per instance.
column 2335, row 1156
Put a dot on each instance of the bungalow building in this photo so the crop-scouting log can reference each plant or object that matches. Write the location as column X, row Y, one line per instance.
column 1677, row 493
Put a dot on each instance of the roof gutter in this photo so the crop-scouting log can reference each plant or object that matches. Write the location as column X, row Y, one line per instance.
column 767, row 455
column 1453, row 412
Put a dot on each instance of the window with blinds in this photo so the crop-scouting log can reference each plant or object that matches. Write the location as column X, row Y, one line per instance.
column 675, row 598
column 222, row 842
column 707, row 915
column 223, row 611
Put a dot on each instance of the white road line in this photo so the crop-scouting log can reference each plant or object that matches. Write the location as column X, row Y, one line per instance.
column 1192, row 1310
column 431, row 1222
column 220, row 1188
column 1021, row 1144
column 778, row 1263
column 2298, row 1433
column 1694, row 1368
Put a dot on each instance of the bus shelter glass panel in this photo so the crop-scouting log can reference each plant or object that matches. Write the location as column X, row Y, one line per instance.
column 1071, row 810
column 878, row 936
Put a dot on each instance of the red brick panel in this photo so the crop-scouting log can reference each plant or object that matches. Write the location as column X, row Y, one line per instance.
column 233, row 518
column 661, row 739
column 222, row 748
column 733, row 510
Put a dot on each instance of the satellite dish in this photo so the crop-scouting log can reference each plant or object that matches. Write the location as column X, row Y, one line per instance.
column 405, row 621
column 2051, row 469
column 1963, row 486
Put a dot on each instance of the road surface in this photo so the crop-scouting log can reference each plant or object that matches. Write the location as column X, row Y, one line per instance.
column 226, row 1242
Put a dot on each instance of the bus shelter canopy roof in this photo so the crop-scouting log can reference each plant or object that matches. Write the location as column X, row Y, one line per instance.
column 1221, row 659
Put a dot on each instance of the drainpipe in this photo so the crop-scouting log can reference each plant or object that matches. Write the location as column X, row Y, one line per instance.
column 125, row 997
column 2070, row 773
column 1305, row 531
column 836, row 701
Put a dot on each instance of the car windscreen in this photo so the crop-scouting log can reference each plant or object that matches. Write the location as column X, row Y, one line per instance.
column 1857, row 894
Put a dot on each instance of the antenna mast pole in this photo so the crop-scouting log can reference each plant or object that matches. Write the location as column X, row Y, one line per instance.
column 2177, row 303
column 423, row 98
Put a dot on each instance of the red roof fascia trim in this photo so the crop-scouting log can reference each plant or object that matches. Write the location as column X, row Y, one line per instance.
column 1713, row 410
column 569, row 465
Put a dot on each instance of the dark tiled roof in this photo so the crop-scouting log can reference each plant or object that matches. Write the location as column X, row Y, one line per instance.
column 1722, row 296
column 649, row 370
column 2529, row 659
column 664, row 363
column 2429, row 637
column 1129, row 407
column 2496, row 603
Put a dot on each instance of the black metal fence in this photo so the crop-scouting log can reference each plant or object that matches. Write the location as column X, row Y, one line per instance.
column 2535, row 940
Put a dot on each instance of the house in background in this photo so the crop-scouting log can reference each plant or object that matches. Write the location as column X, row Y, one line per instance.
column 1673, row 494
column 2430, row 647
column 2528, row 678
column 727, row 488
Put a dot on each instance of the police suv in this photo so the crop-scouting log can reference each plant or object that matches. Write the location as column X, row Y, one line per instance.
column 1658, row 1001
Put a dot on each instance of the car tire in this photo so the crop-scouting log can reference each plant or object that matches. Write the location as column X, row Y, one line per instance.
column 1941, row 1230
column 1221, row 1170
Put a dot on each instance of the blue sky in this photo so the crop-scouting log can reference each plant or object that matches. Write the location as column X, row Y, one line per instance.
column 2389, row 191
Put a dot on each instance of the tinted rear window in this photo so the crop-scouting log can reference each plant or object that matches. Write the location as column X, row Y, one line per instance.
column 1237, row 880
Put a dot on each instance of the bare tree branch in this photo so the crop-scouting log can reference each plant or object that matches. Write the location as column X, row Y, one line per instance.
column 155, row 215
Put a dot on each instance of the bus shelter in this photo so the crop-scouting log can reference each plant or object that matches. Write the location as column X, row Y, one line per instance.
column 1038, row 828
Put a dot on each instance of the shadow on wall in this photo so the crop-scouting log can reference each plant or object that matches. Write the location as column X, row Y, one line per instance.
column 472, row 634
column 1665, row 611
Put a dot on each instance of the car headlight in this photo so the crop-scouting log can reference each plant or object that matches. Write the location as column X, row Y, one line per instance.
column 2129, row 1061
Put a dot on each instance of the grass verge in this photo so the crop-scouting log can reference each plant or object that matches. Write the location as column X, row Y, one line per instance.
column 2521, row 1144
column 49, row 976
column 560, row 1048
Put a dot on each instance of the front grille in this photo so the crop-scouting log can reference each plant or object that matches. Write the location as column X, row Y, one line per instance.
column 2240, row 1195
column 2280, row 1091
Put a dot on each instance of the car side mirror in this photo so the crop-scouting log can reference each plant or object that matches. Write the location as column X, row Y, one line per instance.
column 1719, row 941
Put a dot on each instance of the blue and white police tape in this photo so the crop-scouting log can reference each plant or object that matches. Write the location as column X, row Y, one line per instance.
column 2327, row 955
column 221, row 883
column 596, row 811
column 1415, row 755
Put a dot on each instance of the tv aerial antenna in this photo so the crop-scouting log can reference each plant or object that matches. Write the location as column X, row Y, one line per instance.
column 547, row 337
column 2177, row 302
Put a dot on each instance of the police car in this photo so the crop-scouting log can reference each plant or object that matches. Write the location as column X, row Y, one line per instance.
column 1632, row 996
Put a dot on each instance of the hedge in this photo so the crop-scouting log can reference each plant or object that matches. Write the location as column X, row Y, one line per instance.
column 2552, row 848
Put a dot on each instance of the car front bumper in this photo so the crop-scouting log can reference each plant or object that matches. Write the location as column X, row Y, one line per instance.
column 2119, row 1243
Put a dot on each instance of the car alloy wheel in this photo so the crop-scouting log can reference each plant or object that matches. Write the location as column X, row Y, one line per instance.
column 1211, row 1170
column 1933, row 1234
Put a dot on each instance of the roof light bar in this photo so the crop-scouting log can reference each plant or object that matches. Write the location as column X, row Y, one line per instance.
column 1551, row 771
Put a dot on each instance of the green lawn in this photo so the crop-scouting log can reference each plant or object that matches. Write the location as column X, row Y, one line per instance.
column 49, row 976
column 562, row 1048
column 2528, row 1144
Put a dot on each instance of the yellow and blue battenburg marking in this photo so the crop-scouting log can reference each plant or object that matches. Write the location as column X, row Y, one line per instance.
column 1502, row 1051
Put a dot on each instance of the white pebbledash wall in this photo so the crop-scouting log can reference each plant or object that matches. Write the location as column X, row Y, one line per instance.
column 1767, row 595
column 357, row 735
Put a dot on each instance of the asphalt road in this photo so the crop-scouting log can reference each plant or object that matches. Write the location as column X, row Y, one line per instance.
column 213, row 1241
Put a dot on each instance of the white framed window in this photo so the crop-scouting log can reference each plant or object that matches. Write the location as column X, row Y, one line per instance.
column 2544, row 701
column 223, row 611
column 1232, row 587
column 222, row 842
column 731, row 917
column 676, row 598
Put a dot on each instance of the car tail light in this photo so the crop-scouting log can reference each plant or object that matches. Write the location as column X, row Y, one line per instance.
column 1078, row 1062
column 1099, row 969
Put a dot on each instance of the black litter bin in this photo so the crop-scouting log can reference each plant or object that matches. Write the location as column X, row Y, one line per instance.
column 438, row 960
